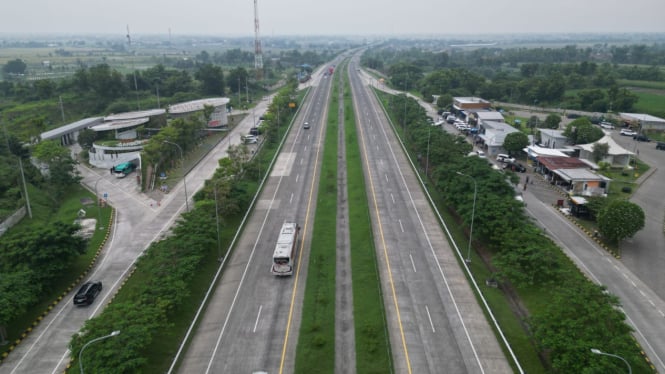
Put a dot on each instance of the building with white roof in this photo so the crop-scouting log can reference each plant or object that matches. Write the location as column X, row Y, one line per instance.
column 616, row 156
column 550, row 138
column 120, row 137
column 218, row 118
column 492, row 134
column 643, row 121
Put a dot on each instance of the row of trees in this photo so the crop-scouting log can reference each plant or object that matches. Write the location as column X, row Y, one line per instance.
column 529, row 88
column 522, row 256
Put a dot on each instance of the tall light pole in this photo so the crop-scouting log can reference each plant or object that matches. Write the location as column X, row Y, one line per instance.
column 429, row 134
column 404, row 119
column 473, row 215
column 99, row 209
column 219, row 248
column 114, row 333
column 599, row 352
column 184, row 172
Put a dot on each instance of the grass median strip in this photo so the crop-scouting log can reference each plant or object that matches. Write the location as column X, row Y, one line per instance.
column 316, row 341
column 373, row 353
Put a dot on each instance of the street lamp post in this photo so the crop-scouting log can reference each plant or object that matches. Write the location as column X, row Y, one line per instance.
column 219, row 248
column 99, row 209
column 599, row 352
column 473, row 214
column 114, row 333
column 184, row 172
column 429, row 134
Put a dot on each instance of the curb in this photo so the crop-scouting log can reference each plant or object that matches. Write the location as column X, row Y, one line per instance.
column 589, row 233
column 51, row 306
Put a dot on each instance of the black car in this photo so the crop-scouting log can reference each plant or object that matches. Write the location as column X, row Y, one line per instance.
column 514, row 166
column 661, row 146
column 641, row 138
column 87, row 293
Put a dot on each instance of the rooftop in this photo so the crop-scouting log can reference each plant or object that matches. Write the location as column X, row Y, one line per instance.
column 196, row 105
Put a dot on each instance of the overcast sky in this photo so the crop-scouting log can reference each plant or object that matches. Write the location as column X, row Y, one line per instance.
column 333, row 17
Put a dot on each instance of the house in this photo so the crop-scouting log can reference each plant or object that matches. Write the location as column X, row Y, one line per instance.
column 487, row 116
column 492, row 134
column 463, row 106
column 553, row 138
column 572, row 175
column 617, row 156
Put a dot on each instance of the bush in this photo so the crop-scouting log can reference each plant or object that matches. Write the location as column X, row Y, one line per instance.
column 626, row 189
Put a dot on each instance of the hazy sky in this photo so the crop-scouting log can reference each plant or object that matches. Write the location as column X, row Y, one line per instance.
column 338, row 17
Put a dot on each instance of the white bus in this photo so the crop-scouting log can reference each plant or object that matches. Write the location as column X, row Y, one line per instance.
column 285, row 250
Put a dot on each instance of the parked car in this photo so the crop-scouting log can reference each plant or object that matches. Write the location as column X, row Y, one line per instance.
column 641, row 138
column 502, row 157
column 481, row 154
column 660, row 145
column 254, row 131
column 627, row 132
column 249, row 139
column 515, row 166
column 87, row 293
column 607, row 125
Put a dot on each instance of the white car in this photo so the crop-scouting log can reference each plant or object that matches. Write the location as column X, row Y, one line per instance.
column 502, row 157
column 627, row 132
column 607, row 125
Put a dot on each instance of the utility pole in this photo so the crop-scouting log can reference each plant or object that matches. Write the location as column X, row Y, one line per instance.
column 20, row 164
column 136, row 87
column 62, row 110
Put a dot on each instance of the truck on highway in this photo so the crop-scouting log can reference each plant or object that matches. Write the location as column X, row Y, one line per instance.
column 285, row 249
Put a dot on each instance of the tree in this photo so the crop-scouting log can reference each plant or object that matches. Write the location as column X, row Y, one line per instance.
column 16, row 66
column 236, row 78
column 600, row 151
column 86, row 138
column 527, row 259
column 581, row 315
column 211, row 78
column 444, row 101
column 552, row 121
column 515, row 142
column 61, row 171
column 581, row 131
column 620, row 219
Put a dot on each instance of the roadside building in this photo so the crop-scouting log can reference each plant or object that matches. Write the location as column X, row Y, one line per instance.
column 488, row 116
column 463, row 106
column 572, row 175
column 640, row 121
column 491, row 136
column 218, row 118
column 68, row 134
column 120, row 137
column 553, row 138
column 617, row 156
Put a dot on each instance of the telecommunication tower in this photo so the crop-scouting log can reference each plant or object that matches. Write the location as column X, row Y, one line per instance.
column 258, row 55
